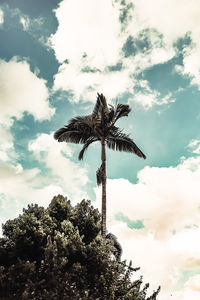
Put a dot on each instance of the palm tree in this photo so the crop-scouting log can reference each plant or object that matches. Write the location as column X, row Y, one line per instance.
column 100, row 127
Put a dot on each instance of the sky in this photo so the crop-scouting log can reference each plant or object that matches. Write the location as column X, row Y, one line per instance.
column 54, row 58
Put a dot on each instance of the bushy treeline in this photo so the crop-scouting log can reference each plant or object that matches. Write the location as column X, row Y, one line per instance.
column 59, row 253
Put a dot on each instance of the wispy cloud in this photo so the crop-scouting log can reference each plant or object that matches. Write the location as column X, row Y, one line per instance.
column 195, row 146
column 1, row 16
column 191, row 64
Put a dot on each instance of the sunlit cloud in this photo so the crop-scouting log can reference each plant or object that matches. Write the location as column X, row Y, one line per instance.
column 89, row 30
column 166, row 200
column 21, row 91
column 28, row 93
column 191, row 290
column 19, row 187
column 93, row 55
column 63, row 171
column 63, row 176
column 155, row 14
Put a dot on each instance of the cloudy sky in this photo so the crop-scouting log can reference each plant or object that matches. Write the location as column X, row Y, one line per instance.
column 54, row 58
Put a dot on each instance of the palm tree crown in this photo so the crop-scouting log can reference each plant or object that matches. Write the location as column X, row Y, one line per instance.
column 99, row 126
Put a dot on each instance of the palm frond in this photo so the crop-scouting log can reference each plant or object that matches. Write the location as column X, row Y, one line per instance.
column 78, row 130
column 122, row 142
column 97, row 106
column 81, row 123
column 100, row 124
column 122, row 110
column 101, row 110
column 111, row 113
column 71, row 136
column 86, row 145
column 59, row 133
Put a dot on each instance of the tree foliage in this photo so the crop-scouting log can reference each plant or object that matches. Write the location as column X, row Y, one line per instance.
column 59, row 253
column 97, row 126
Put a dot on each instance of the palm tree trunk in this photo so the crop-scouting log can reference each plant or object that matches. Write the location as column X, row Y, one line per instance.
column 103, row 210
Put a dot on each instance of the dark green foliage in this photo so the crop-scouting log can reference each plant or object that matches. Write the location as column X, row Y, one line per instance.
column 97, row 126
column 59, row 253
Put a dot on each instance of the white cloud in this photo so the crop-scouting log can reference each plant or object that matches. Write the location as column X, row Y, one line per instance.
column 191, row 64
column 88, row 84
column 25, row 22
column 6, row 144
column 56, row 157
column 20, row 187
column 90, row 36
column 167, row 202
column 85, row 40
column 90, row 27
column 191, row 290
column 31, row 25
column 161, row 55
column 85, row 85
column 195, row 146
column 194, row 283
column 173, row 185
column 184, row 19
column 21, row 90
column 1, row 16
column 186, row 249
column 148, row 97
column 173, row 19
